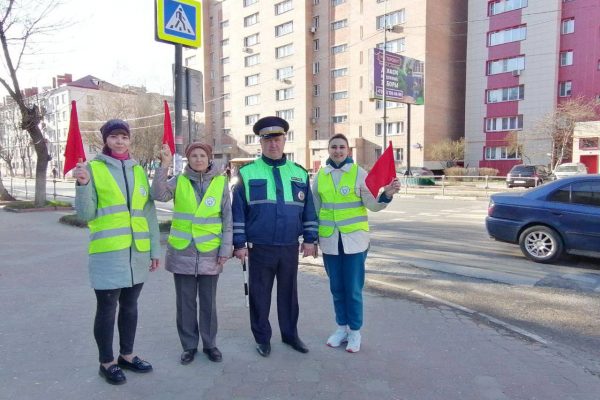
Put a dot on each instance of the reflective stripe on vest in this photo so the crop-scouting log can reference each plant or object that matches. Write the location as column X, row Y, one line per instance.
column 261, row 173
column 201, row 223
column 340, row 207
column 114, row 225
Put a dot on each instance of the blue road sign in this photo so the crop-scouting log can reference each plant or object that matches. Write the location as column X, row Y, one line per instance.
column 179, row 21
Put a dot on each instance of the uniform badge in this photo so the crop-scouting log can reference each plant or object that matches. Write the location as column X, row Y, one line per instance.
column 143, row 191
column 301, row 196
column 296, row 179
column 345, row 190
column 210, row 201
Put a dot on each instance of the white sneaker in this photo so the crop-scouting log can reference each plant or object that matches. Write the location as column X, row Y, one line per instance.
column 338, row 337
column 353, row 342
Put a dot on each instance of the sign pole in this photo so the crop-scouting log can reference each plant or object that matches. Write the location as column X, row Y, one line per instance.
column 408, row 173
column 178, row 99
column 385, row 28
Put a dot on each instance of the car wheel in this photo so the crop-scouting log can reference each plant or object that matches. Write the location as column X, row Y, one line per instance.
column 541, row 244
column 510, row 186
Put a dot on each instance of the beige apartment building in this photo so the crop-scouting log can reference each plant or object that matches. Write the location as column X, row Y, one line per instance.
column 310, row 61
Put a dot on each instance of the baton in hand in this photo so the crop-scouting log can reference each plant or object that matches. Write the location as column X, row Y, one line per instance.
column 245, row 263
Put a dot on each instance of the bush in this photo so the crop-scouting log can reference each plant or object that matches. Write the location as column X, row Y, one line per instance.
column 24, row 205
column 73, row 220
column 474, row 171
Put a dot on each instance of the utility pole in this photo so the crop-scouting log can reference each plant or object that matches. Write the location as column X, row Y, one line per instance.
column 385, row 29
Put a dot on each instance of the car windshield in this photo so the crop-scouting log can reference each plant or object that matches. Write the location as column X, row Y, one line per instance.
column 566, row 168
column 521, row 170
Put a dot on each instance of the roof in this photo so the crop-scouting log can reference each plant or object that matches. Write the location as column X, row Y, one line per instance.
column 91, row 82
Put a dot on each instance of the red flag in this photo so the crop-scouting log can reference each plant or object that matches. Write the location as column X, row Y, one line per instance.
column 168, row 130
column 74, row 152
column 382, row 172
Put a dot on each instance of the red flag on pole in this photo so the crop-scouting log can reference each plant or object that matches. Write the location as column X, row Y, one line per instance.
column 168, row 130
column 74, row 152
column 382, row 172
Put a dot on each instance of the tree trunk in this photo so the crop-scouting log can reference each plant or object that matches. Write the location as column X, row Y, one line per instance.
column 4, row 195
column 31, row 120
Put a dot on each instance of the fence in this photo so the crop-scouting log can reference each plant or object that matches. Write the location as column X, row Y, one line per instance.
column 24, row 188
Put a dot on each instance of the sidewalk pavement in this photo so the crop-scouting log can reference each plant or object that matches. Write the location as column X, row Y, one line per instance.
column 410, row 351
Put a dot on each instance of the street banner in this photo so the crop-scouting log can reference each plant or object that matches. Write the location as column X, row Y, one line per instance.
column 403, row 78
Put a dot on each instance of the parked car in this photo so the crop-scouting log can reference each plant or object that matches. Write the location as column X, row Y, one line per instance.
column 416, row 171
column 547, row 221
column 527, row 175
column 570, row 169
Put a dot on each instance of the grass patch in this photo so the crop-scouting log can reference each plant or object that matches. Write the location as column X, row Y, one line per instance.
column 73, row 220
column 25, row 205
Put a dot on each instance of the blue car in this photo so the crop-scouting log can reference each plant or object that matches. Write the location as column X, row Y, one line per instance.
column 549, row 220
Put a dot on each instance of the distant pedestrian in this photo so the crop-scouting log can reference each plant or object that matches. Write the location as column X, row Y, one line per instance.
column 54, row 173
column 272, row 207
column 112, row 193
column 341, row 201
column 199, row 244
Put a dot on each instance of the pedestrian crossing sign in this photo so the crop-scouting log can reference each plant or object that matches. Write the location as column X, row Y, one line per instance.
column 179, row 22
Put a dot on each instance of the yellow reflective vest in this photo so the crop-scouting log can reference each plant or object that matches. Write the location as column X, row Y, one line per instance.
column 340, row 207
column 115, row 226
column 199, row 222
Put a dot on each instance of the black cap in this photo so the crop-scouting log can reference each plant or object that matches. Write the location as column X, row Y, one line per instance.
column 113, row 125
column 268, row 127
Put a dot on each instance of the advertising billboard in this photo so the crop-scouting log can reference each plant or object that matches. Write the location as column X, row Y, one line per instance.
column 403, row 78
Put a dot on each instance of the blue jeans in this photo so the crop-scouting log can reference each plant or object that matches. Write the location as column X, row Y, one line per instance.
column 346, row 281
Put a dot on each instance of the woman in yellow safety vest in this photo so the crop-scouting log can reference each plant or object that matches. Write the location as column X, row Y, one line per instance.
column 341, row 201
column 199, row 243
column 113, row 195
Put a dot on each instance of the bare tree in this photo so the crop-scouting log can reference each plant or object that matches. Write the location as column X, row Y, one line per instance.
column 448, row 152
column 515, row 143
column 559, row 126
column 20, row 22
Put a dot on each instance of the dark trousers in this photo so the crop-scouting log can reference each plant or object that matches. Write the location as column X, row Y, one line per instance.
column 266, row 264
column 196, row 319
column 104, row 323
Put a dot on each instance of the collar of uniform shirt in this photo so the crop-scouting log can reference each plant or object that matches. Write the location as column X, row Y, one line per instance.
column 348, row 160
column 274, row 163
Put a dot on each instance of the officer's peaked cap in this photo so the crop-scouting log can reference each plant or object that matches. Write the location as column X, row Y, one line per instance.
column 267, row 127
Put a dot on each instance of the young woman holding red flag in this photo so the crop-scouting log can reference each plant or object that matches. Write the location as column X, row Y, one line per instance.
column 113, row 195
column 341, row 200
column 199, row 244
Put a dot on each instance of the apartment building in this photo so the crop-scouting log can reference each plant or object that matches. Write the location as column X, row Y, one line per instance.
column 523, row 58
column 309, row 62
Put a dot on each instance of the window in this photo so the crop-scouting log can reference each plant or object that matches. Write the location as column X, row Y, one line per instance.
column 252, row 139
column 566, row 58
column 393, row 128
column 315, row 68
column 338, row 119
column 316, row 90
column 587, row 193
column 505, row 65
column 395, row 46
column 389, row 20
column 224, row 24
column 502, row 6
column 284, row 29
column 284, row 6
column 342, row 23
column 251, row 100
column 284, row 51
column 251, row 119
column 336, row 73
column 227, row 131
column 249, row 2
column 567, row 26
column 225, row 60
column 316, row 112
column 226, row 114
column 251, row 60
column 224, row 42
column 588, row 143
column 251, row 19
column 390, row 104
column 564, row 89
column 337, row 2
column 501, row 153
column 251, row 40
column 316, row 44
column 315, row 23
column 339, row 95
column 225, row 78
column 339, row 48
column 288, row 115
column 285, row 72
column 500, row 124
column 284, row 94
column 399, row 155
column 506, row 94
column 507, row 35
column 252, row 80
column 289, row 156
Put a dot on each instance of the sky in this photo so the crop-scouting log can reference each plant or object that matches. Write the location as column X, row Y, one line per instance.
column 110, row 39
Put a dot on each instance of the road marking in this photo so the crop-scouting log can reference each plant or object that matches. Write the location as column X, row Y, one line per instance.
column 491, row 319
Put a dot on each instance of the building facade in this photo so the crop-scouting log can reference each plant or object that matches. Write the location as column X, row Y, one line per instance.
column 523, row 58
column 309, row 62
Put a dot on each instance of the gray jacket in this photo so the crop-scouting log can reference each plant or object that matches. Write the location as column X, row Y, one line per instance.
column 190, row 261
column 121, row 268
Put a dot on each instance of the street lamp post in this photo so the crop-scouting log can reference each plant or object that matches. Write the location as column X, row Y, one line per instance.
column 385, row 29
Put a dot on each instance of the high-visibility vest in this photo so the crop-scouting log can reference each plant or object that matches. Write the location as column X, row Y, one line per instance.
column 199, row 222
column 260, row 170
column 114, row 225
column 340, row 207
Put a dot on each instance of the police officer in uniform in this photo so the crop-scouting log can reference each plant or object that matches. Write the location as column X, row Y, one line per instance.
column 272, row 207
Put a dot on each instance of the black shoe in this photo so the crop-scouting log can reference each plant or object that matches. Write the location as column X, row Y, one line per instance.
column 113, row 374
column 137, row 365
column 296, row 344
column 188, row 356
column 263, row 349
column 213, row 354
